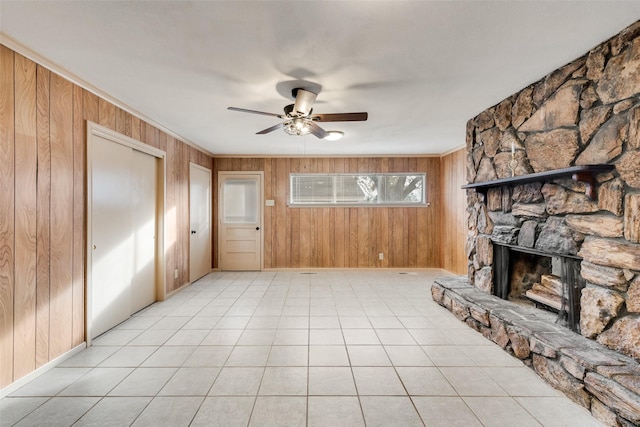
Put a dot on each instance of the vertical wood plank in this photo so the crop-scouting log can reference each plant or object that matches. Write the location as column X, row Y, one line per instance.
column 295, row 239
column 363, row 165
column 127, row 123
column 308, row 252
column 26, row 158
column 7, row 176
column 338, row 238
column 162, row 144
column 445, row 163
column 43, row 206
column 328, row 235
column 315, row 224
column 151, row 136
column 423, row 232
column 120, row 124
column 170, row 216
column 288, row 212
column 135, row 128
column 313, row 236
column 341, row 221
column 106, row 114
column 61, row 215
column 143, row 131
column 305, row 224
column 461, row 217
column 412, row 164
column 214, row 212
column 186, row 226
column 269, row 214
column 382, row 228
column 372, row 254
column 434, row 222
column 294, row 220
column 179, row 178
column 397, row 221
column 453, row 209
column 180, row 247
column 79, row 203
column 411, row 221
column 353, row 237
column 90, row 106
column 384, row 165
column 182, row 196
column 281, row 237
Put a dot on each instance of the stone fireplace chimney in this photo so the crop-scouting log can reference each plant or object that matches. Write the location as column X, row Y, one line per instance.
column 554, row 171
column 586, row 113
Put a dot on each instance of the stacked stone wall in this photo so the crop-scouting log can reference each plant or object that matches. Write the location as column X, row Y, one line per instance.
column 587, row 112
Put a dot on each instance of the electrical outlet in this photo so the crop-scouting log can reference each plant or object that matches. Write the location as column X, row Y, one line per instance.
column 380, row 256
column 175, row 273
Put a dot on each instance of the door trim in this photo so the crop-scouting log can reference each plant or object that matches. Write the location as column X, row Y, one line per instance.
column 261, row 204
column 96, row 130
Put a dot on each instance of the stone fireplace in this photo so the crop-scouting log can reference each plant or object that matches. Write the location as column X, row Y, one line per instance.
column 553, row 215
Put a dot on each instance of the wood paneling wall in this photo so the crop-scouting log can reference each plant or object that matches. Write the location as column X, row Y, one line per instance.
column 344, row 237
column 43, row 209
column 454, row 218
column 43, row 212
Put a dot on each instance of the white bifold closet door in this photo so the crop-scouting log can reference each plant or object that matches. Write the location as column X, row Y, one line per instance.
column 123, row 229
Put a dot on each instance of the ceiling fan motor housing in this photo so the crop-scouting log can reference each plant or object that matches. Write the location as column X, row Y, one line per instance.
column 304, row 102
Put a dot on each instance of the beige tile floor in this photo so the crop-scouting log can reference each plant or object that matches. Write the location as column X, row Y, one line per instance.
column 334, row 348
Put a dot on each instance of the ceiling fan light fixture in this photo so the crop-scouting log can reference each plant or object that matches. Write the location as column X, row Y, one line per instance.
column 297, row 126
column 299, row 121
column 334, row 135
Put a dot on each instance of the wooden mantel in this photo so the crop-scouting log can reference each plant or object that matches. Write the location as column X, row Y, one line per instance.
column 583, row 173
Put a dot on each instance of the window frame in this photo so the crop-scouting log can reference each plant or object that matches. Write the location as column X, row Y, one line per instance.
column 364, row 204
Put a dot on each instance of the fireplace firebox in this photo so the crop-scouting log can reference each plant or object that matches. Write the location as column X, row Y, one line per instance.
column 550, row 282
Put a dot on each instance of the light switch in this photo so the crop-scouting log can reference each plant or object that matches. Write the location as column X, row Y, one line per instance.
column 271, row 202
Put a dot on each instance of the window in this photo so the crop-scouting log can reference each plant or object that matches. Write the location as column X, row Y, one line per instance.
column 349, row 189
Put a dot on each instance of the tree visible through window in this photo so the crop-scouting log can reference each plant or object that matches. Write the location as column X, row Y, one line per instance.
column 357, row 189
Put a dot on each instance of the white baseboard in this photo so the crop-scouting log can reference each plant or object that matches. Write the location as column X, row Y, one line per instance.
column 41, row 370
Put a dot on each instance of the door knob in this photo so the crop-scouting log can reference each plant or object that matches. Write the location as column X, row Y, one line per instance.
column 193, row 231
column 257, row 228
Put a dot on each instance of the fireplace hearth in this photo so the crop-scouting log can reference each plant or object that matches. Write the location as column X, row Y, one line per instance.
column 590, row 374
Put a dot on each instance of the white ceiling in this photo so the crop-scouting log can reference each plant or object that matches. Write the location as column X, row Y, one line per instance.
column 421, row 69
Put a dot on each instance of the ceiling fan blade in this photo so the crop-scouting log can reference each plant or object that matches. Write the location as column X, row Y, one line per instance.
column 271, row 129
column 304, row 102
column 341, row 117
column 244, row 110
column 317, row 130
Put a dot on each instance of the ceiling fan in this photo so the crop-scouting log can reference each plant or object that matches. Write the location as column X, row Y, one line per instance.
column 298, row 119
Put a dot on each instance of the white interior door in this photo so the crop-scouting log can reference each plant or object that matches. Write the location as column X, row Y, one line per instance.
column 112, row 245
column 144, row 212
column 200, row 220
column 240, row 216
